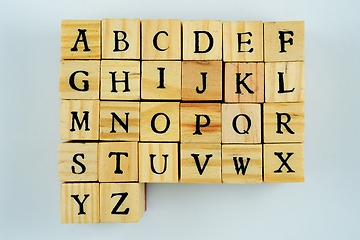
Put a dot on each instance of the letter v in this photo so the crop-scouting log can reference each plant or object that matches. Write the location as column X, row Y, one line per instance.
column 197, row 162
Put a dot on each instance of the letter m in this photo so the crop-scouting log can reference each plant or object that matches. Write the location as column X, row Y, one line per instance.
column 75, row 119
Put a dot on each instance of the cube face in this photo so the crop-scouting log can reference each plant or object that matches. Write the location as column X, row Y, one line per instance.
column 161, row 39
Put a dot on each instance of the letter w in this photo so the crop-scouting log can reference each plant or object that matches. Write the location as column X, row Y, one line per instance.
column 242, row 167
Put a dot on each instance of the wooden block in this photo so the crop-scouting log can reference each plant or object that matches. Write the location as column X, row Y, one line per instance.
column 80, row 39
column 241, row 163
column 79, row 203
column 161, row 80
column 118, row 162
column 120, row 80
column 244, row 82
column 121, row 39
column 243, row 41
column 284, row 41
column 284, row 82
column 283, row 163
column 241, row 123
column 79, row 79
column 159, row 121
column 158, row 162
column 202, row 40
column 78, row 161
column 200, row 122
column 79, row 120
column 200, row 163
column 122, row 202
column 161, row 39
column 119, row 120
column 283, row 122
column 201, row 80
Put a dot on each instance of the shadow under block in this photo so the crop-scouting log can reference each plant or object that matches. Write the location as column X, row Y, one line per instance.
column 200, row 122
column 78, row 162
column 243, row 41
column 283, row 122
column 80, row 203
column 244, row 82
column 161, row 80
column 121, row 39
column 79, row 120
column 284, row 41
column 119, row 120
column 284, row 82
column 283, row 162
column 202, row 40
column 80, row 39
column 241, row 163
column 120, row 80
column 158, row 162
column 118, row 162
column 161, row 39
column 241, row 123
column 201, row 80
column 122, row 202
column 159, row 121
column 200, row 163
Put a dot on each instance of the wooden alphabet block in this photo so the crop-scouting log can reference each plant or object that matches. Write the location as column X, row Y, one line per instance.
column 243, row 41
column 241, row 163
column 79, row 120
column 201, row 80
column 283, row 122
column 79, row 202
column 284, row 41
column 122, row 202
column 202, row 40
column 241, row 123
column 118, row 162
column 283, row 163
column 158, row 162
column 161, row 39
column 121, row 39
column 80, row 39
column 119, row 120
column 244, row 82
column 200, row 163
column 161, row 80
column 120, row 80
column 78, row 161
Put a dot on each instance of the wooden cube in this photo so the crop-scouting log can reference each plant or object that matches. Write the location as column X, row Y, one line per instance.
column 119, row 120
column 120, row 80
column 241, row 123
column 121, row 39
column 241, row 163
column 80, row 39
column 200, row 163
column 159, row 121
column 161, row 80
column 200, row 122
column 79, row 202
column 158, row 162
column 118, row 162
column 283, row 122
column 161, row 39
column 284, row 41
column 284, row 82
column 79, row 120
column 243, row 41
column 244, row 82
column 122, row 202
column 283, row 163
column 201, row 80
column 202, row 40
column 78, row 161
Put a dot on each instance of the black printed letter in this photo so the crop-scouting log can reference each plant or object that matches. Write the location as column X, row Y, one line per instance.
column 114, row 81
column 117, row 40
column 83, row 39
column 118, row 204
column 197, row 162
column 75, row 118
column 198, row 125
column 72, row 81
column 124, row 125
column 81, row 204
column 284, row 162
column 155, row 41
column 242, row 82
column 283, row 41
column 279, row 123
column 83, row 168
column 247, row 42
column 246, row 131
column 152, row 163
column 197, row 42
column 118, row 154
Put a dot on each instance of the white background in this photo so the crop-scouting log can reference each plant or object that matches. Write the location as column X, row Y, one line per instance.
column 326, row 206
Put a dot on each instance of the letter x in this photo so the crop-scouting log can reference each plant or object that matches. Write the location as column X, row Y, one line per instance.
column 284, row 162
